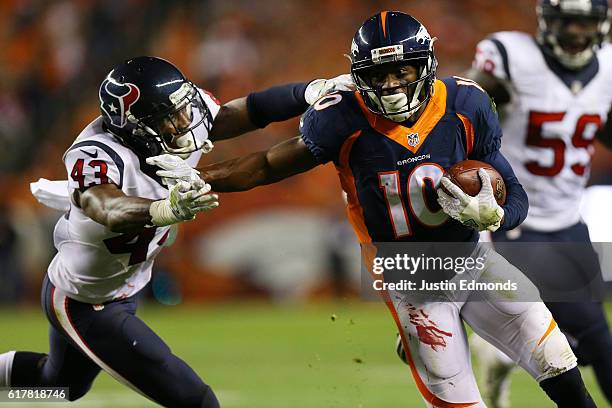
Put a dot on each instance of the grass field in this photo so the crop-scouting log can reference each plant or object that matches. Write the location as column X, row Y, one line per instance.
column 261, row 355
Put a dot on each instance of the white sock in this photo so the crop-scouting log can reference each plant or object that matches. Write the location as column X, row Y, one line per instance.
column 6, row 367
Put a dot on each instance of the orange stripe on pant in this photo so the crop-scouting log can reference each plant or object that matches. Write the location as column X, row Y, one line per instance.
column 551, row 327
column 368, row 250
column 427, row 395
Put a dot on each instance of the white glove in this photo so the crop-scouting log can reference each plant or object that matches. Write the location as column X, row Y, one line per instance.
column 321, row 87
column 481, row 212
column 175, row 169
column 182, row 204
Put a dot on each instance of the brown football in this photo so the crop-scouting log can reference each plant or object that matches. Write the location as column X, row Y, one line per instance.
column 465, row 175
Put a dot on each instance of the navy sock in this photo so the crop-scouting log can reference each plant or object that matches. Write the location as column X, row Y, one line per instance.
column 27, row 368
column 567, row 390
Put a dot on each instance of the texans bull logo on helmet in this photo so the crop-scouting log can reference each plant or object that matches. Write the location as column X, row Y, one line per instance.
column 116, row 100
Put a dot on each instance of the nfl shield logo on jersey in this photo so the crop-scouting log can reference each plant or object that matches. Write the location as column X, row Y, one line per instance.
column 413, row 139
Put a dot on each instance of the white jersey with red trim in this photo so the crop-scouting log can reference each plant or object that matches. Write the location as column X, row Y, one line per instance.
column 549, row 124
column 94, row 264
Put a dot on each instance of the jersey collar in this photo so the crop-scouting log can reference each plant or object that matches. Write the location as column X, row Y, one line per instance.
column 403, row 135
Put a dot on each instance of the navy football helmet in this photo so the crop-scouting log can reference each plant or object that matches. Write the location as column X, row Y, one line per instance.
column 152, row 108
column 392, row 41
column 572, row 30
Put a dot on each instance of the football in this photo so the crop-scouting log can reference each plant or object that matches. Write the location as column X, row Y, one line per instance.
column 465, row 175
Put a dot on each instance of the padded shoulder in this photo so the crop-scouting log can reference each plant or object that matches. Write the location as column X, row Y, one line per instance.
column 329, row 122
column 471, row 102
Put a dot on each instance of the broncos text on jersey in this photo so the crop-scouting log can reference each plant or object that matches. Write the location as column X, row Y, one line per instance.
column 390, row 171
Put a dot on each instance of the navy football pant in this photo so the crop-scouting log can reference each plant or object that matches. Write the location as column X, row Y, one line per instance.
column 83, row 339
column 583, row 322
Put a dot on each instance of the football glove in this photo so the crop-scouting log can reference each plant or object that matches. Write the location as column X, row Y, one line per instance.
column 182, row 204
column 175, row 169
column 481, row 212
column 321, row 87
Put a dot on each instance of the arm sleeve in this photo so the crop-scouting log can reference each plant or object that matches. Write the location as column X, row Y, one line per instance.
column 89, row 165
column 277, row 104
column 325, row 128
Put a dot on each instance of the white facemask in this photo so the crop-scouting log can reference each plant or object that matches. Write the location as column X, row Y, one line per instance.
column 397, row 106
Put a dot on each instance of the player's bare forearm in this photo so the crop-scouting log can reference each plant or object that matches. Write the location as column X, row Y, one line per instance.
column 108, row 205
column 232, row 120
column 284, row 160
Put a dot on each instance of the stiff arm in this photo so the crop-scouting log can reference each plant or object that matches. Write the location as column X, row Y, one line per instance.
column 281, row 161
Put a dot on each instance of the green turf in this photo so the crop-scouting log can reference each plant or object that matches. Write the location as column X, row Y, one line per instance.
column 259, row 355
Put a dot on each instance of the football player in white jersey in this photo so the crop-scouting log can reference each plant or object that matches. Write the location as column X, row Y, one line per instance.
column 120, row 218
column 554, row 94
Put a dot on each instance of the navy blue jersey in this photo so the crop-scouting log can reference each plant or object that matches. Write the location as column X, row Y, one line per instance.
column 389, row 171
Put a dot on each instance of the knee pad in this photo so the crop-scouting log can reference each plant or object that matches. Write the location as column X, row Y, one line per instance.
column 442, row 364
column 554, row 355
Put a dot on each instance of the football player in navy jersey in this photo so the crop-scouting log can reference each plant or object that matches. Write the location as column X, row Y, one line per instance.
column 390, row 141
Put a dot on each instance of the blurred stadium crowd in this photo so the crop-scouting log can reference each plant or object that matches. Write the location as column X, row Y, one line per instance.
column 288, row 240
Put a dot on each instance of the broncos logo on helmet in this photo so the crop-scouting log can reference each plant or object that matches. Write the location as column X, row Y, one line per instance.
column 116, row 100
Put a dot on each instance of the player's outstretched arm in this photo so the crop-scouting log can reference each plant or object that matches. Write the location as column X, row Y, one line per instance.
column 108, row 205
column 281, row 161
column 275, row 104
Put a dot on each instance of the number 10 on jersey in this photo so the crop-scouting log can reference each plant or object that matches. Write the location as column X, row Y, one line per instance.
column 423, row 211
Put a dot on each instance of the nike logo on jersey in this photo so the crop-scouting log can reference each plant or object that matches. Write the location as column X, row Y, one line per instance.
column 92, row 155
